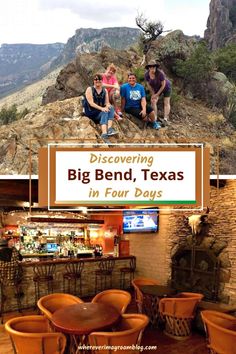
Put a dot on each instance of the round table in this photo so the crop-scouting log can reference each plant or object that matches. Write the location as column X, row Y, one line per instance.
column 151, row 296
column 81, row 319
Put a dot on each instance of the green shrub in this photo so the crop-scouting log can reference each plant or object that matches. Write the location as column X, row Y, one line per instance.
column 175, row 97
column 225, row 59
column 198, row 67
column 139, row 72
column 8, row 115
column 231, row 106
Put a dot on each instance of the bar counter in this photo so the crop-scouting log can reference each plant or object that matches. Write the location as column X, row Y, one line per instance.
column 88, row 277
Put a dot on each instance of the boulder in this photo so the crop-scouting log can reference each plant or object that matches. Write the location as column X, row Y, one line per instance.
column 220, row 91
column 73, row 80
column 223, row 82
column 175, row 45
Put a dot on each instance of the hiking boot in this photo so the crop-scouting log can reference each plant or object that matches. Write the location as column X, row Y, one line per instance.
column 119, row 113
column 117, row 116
column 111, row 131
column 164, row 122
column 156, row 125
column 105, row 138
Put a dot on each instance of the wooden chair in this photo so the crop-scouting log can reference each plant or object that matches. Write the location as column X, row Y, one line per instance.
column 72, row 276
column 138, row 293
column 48, row 304
column 128, row 333
column 188, row 295
column 10, row 277
column 31, row 334
column 127, row 271
column 103, row 274
column 120, row 299
column 178, row 313
column 43, row 279
column 221, row 331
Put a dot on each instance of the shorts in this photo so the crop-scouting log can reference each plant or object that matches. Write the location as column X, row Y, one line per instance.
column 167, row 93
column 136, row 111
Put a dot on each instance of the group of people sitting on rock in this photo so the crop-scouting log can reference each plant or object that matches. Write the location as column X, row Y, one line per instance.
column 101, row 99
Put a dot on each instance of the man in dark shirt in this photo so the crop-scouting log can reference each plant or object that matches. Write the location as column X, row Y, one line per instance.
column 9, row 258
column 10, row 273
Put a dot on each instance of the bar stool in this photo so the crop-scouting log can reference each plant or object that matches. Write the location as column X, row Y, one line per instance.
column 43, row 275
column 72, row 276
column 10, row 277
column 103, row 273
column 127, row 270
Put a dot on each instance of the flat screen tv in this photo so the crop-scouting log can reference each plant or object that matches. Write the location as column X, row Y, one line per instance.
column 142, row 221
column 51, row 247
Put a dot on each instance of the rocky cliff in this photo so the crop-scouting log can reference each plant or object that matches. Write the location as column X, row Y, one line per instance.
column 221, row 23
column 73, row 80
column 61, row 120
column 75, row 77
column 20, row 64
column 88, row 40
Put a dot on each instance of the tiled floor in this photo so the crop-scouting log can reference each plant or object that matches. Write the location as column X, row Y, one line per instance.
column 153, row 336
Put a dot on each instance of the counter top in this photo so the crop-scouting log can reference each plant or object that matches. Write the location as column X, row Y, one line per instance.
column 33, row 255
column 49, row 254
column 29, row 263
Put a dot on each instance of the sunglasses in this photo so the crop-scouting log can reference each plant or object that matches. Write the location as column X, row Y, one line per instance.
column 97, row 79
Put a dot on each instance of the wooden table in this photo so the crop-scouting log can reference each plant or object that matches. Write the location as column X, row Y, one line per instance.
column 213, row 306
column 81, row 319
column 151, row 296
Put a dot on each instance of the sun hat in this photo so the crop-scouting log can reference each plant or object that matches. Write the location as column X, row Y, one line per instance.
column 152, row 63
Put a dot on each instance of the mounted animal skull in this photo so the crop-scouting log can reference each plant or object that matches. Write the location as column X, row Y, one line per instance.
column 196, row 221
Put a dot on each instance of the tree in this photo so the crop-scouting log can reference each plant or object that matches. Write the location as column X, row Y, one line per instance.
column 150, row 31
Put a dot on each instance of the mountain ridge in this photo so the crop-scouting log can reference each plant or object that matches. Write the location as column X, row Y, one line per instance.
column 21, row 64
column 25, row 63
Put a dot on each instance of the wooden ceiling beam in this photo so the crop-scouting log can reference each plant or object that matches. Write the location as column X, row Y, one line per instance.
column 17, row 190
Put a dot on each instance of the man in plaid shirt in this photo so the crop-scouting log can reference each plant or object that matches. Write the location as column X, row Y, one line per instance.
column 10, row 270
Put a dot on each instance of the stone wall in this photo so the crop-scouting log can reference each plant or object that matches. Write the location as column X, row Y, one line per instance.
column 154, row 252
column 88, row 282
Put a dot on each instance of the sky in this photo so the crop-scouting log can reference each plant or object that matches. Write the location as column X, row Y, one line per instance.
column 50, row 21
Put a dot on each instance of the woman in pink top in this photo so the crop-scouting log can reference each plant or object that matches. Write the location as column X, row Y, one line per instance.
column 110, row 82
